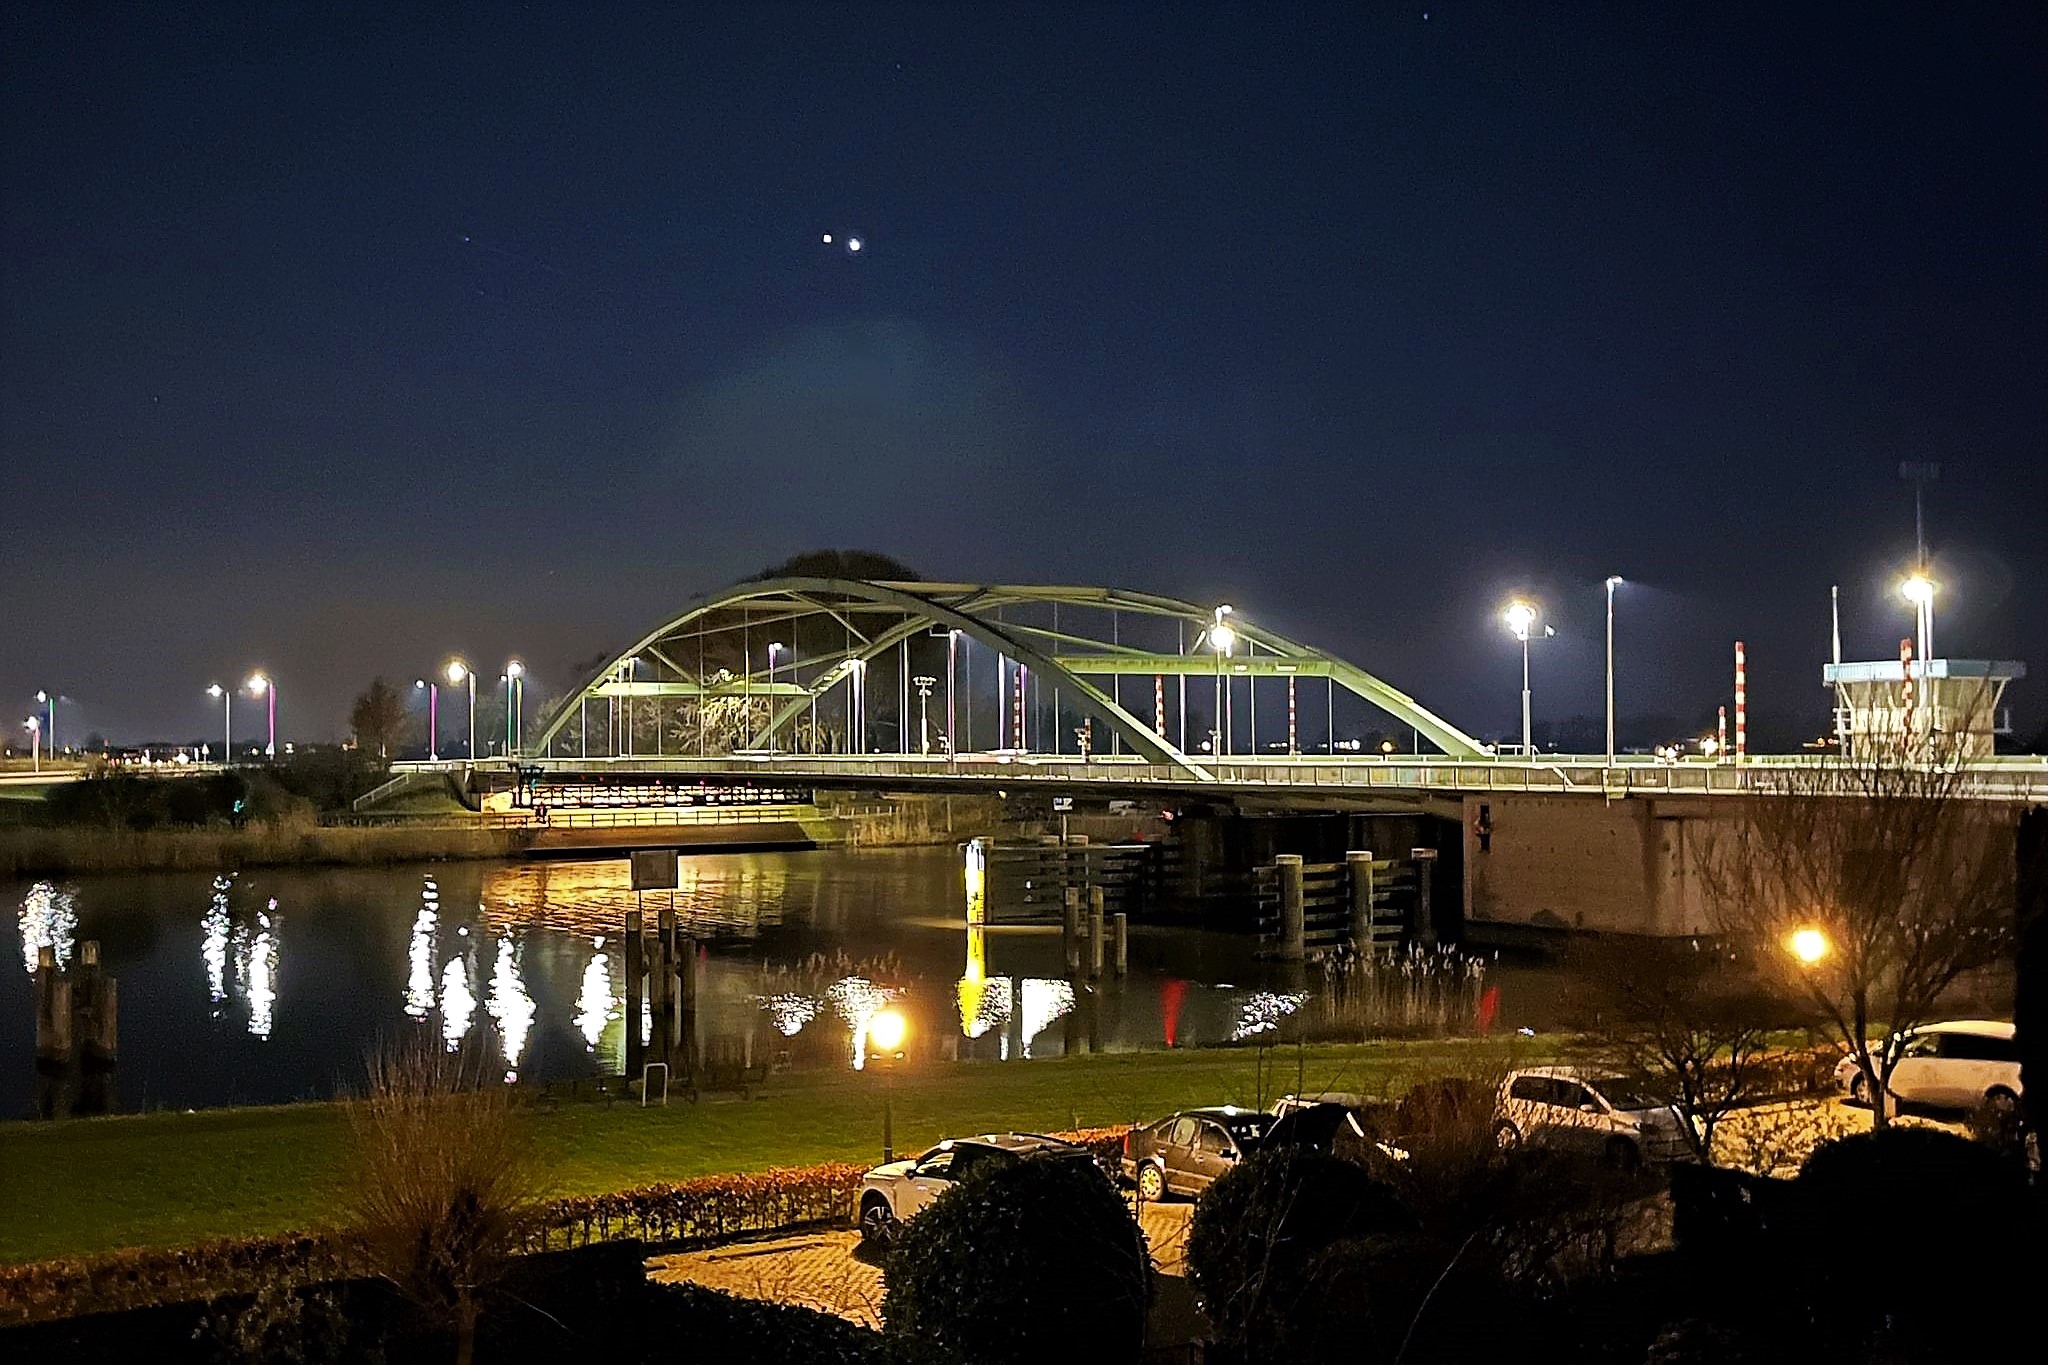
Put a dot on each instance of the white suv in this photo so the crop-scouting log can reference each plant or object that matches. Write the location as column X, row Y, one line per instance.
column 1605, row 1116
column 1961, row 1064
column 899, row 1190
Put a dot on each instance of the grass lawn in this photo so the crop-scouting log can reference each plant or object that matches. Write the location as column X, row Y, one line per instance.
column 167, row 1179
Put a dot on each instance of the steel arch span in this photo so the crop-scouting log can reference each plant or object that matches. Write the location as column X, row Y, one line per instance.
column 848, row 666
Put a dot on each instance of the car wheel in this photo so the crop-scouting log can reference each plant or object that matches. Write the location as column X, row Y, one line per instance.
column 1624, row 1156
column 1506, row 1136
column 2001, row 1104
column 877, row 1220
column 1151, row 1183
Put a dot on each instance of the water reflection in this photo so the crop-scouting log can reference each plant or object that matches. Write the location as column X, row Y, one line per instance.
column 596, row 1006
column 510, row 1005
column 419, row 980
column 1044, row 1000
column 1261, row 1012
column 213, row 943
column 259, row 975
column 789, row 1012
column 458, row 1004
column 857, row 1000
column 49, row 919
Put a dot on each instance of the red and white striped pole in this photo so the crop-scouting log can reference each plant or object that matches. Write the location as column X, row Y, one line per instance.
column 1906, row 676
column 1020, row 706
column 1159, row 703
column 1293, row 746
column 1741, row 703
column 1721, row 732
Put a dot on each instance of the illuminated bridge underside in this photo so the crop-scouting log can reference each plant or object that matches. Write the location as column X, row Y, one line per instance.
column 817, row 666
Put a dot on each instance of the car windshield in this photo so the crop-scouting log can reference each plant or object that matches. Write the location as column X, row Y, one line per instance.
column 1623, row 1093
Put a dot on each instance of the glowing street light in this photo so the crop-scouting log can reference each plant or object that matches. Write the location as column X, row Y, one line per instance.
column 35, row 740
column 1221, row 637
column 887, row 1028
column 260, row 685
column 1520, row 618
column 433, row 717
column 1809, row 945
column 49, row 699
column 1919, row 589
column 227, row 720
column 458, row 674
column 775, row 647
column 515, row 706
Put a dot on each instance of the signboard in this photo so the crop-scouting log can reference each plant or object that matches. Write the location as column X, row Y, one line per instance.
column 656, row 869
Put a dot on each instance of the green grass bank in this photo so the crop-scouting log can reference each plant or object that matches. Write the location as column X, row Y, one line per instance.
column 169, row 1179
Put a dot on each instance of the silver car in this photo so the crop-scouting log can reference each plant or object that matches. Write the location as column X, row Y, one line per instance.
column 1573, row 1110
column 896, row 1191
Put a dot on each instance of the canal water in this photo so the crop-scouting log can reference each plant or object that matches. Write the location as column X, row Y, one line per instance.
column 273, row 985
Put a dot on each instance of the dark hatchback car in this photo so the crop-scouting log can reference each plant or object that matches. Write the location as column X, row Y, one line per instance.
column 1185, row 1153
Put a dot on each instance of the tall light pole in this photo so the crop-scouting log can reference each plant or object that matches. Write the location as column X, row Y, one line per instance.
column 858, row 668
column 924, row 685
column 515, row 705
column 774, row 647
column 49, row 699
column 1222, row 638
column 227, row 721
column 1919, row 589
column 1613, row 581
column 952, row 669
column 260, row 685
column 35, row 740
column 1521, row 618
column 433, row 717
column 460, row 673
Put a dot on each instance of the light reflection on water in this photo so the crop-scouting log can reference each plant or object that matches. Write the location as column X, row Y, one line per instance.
column 220, row 1007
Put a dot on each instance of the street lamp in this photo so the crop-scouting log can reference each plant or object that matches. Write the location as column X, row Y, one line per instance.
column 433, row 718
column 887, row 1029
column 1613, row 581
column 260, row 685
column 857, row 671
column 1809, row 945
column 1521, row 619
column 458, row 674
column 1919, row 589
column 924, row 685
column 1222, row 638
column 774, row 647
column 35, row 740
column 515, row 705
column 49, row 699
column 227, row 721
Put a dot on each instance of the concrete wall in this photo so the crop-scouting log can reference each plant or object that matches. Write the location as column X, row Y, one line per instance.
column 1581, row 863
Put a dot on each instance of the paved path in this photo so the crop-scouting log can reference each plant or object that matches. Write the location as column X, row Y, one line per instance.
column 822, row 1270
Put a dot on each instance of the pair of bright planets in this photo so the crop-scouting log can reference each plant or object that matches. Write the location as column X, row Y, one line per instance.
column 853, row 244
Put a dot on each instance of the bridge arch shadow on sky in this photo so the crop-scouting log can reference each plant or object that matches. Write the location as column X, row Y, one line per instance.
column 834, row 665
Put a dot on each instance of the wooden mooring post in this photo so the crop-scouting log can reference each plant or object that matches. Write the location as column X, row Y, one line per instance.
column 96, row 1026
column 1095, row 918
column 1358, row 864
column 635, row 951
column 53, row 1037
column 1293, row 910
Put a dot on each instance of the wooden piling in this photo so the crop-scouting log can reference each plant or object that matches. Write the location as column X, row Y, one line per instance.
column 1070, row 929
column 53, row 1037
column 1095, row 900
column 1358, row 864
column 1293, row 910
column 1120, row 938
column 635, row 955
column 1424, row 928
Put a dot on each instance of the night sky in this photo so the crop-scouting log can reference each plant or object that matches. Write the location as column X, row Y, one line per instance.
column 334, row 344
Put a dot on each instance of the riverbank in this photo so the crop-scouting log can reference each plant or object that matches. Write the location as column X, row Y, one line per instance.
column 172, row 1179
column 33, row 851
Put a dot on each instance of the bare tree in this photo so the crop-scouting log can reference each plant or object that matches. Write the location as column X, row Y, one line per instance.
column 379, row 719
column 1686, row 1023
column 1868, row 886
column 444, row 1190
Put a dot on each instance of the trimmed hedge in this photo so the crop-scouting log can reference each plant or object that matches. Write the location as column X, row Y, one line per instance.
column 703, row 1211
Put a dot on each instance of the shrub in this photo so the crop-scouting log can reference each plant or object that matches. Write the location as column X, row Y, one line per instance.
column 1023, row 1261
column 720, row 1326
column 1260, row 1228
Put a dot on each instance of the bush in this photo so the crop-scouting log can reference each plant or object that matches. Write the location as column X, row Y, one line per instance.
column 719, row 1326
column 1261, row 1227
column 1022, row 1261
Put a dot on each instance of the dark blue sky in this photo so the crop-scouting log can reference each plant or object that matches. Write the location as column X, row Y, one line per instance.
column 337, row 343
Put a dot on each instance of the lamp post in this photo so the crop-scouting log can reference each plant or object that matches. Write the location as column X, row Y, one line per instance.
column 227, row 721
column 886, row 1031
column 1521, row 618
column 774, row 647
column 458, row 674
column 1919, row 589
column 35, row 740
column 1221, row 638
column 261, row 685
column 1613, row 581
column 924, row 685
column 515, row 706
column 858, row 671
column 49, row 699
column 433, row 691
column 952, row 669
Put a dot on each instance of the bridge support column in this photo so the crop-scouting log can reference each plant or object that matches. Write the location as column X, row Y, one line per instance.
column 1358, row 864
column 1293, row 910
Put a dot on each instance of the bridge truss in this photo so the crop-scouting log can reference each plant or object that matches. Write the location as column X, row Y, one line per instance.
column 847, row 666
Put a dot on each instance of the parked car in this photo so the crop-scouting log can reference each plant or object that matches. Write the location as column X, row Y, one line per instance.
column 1606, row 1116
column 1960, row 1064
column 1185, row 1153
column 897, row 1191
